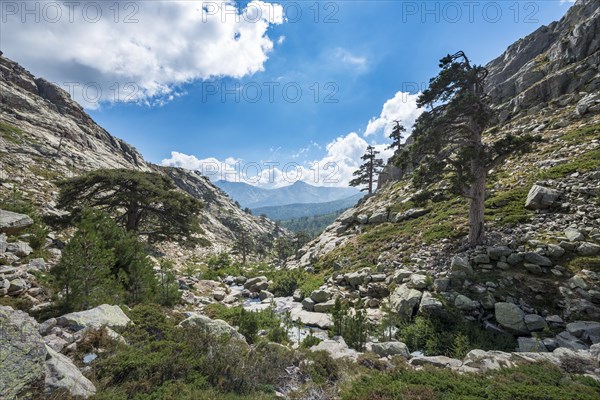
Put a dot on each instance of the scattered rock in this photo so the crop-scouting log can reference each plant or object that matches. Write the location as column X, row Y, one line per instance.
column 111, row 316
column 511, row 317
column 540, row 197
column 12, row 223
column 384, row 349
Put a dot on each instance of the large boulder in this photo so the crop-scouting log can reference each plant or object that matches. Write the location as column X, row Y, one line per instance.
column 538, row 259
column 337, row 348
column 541, row 197
column 215, row 327
column 320, row 296
column 22, row 354
column 405, row 301
column 464, row 303
column 11, row 222
column 587, row 330
column 384, row 349
column 257, row 284
column 511, row 317
column 587, row 249
column 324, row 307
column 104, row 315
column 61, row 373
column 461, row 266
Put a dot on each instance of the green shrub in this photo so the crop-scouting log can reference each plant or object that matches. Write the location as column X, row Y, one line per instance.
column 452, row 336
column 163, row 361
column 527, row 382
column 321, row 368
column 309, row 341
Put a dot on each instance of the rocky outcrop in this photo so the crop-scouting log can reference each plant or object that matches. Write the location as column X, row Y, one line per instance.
column 215, row 327
column 555, row 60
column 29, row 365
column 45, row 135
column 23, row 354
column 11, row 222
column 104, row 315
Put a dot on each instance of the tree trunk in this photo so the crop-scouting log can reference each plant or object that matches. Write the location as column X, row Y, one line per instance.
column 477, row 210
column 132, row 219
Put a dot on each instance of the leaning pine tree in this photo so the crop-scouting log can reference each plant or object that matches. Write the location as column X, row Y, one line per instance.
column 365, row 175
column 448, row 138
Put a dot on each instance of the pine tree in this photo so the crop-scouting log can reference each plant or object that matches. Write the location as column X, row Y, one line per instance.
column 448, row 139
column 145, row 203
column 243, row 245
column 84, row 273
column 397, row 135
column 365, row 175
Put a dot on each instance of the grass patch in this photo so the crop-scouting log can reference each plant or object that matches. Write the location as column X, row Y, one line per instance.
column 11, row 133
column 582, row 134
column 579, row 263
column 588, row 161
column 508, row 207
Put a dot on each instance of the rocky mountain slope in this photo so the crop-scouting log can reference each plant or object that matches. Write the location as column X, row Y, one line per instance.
column 45, row 135
column 541, row 260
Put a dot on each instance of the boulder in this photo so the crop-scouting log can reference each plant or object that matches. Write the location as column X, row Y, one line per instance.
column 441, row 284
column 419, row 281
column 377, row 290
column 481, row 259
column 356, row 279
column 104, row 315
column 308, row 304
column 379, row 217
column 61, row 373
column 325, row 306
column 465, row 304
column 298, row 296
column 429, row 304
column 319, row 320
column 555, row 251
column 587, row 330
column 219, row 295
column 540, row 197
column 384, row 349
column 11, row 222
column 527, row 345
column 337, row 348
column 405, row 301
column 573, row 235
column 497, row 252
column 22, row 354
column 535, row 258
column 535, row 323
column 19, row 248
column 511, row 317
column 320, row 296
column 215, row 327
column 436, row 361
column 265, row 294
column 587, row 249
column 257, row 284
column 461, row 266
column 569, row 341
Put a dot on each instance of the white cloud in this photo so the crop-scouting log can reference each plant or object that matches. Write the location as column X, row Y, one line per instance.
column 143, row 52
column 280, row 40
column 402, row 107
column 350, row 59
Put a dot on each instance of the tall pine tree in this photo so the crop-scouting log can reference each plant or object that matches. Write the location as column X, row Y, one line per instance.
column 397, row 135
column 448, row 139
column 365, row 175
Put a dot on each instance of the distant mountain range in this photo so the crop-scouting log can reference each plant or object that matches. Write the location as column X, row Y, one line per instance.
column 297, row 193
column 300, row 210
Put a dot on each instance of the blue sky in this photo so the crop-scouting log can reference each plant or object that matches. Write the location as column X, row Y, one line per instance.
column 348, row 60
